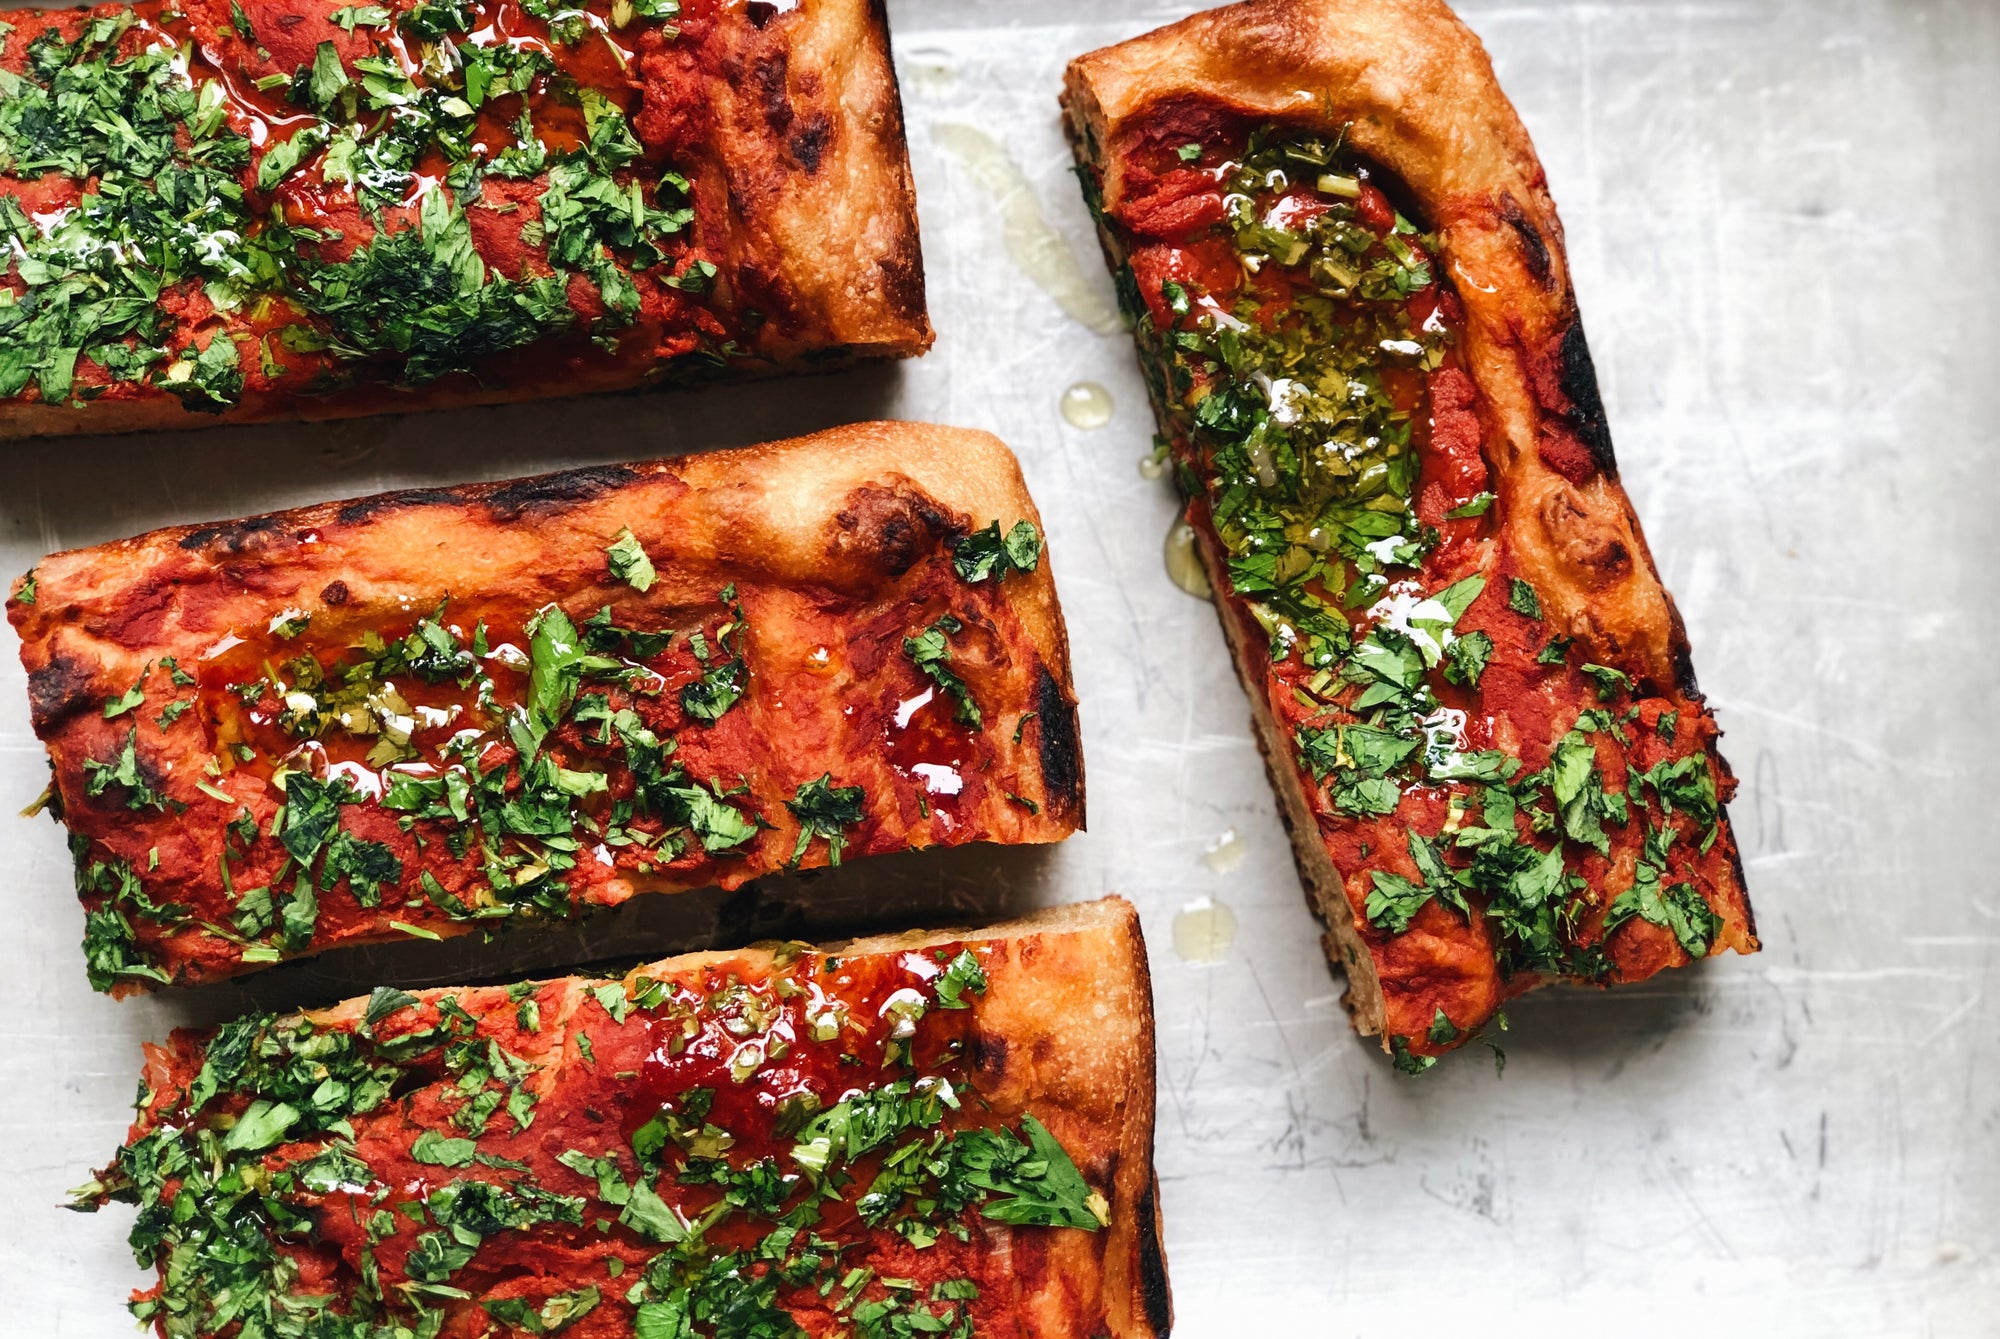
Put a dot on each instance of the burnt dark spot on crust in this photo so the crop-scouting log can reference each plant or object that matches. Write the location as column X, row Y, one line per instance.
column 889, row 527
column 1682, row 656
column 1586, row 413
column 1736, row 864
column 989, row 1058
column 1684, row 680
column 333, row 594
column 1610, row 559
column 1156, row 1299
column 760, row 12
column 903, row 282
column 767, row 77
column 809, row 142
column 510, row 501
column 1533, row 248
column 231, row 536
column 57, row 691
column 1062, row 752
column 367, row 508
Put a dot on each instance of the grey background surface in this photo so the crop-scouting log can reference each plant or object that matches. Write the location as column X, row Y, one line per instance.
column 1782, row 219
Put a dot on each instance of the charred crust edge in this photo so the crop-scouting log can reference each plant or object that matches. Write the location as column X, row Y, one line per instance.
column 902, row 270
column 505, row 501
column 363, row 509
column 1534, row 247
column 549, row 491
column 232, row 536
column 1155, row 1295
column 1736, row 868
column 59, row 690
column 1578, row 382
column 1061, row 752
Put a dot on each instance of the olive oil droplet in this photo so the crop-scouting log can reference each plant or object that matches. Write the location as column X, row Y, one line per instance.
column 1086, row 405
column 1184, row 562
column 1036, row 249
column 1224, row 853
column 1203, row 931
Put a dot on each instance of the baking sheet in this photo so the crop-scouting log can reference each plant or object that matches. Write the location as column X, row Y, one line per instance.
column 1779, row 216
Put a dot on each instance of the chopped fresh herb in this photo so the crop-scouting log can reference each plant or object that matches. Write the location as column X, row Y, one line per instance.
column 1466, row 658
column 351, row 17
column 719, row 688
column 1677, row 907
column 1609, row 680
column 311, row 814
column 930, row 651
column 126, row 701
column 629, row 562
column 384, row 1002
column 1407, row 1061
column 826, row 810
column 123, row 773
column 439, row 1151
column 987, row 554
column 961, row 974
column 1521, row 598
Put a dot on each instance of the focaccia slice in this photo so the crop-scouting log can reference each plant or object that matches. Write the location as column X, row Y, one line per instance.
column 430, row 711
column 946, row 1133
column 1355, row 317
column 244, row 210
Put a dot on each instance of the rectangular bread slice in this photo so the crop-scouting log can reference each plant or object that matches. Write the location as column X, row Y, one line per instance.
column 245, row 210
column 1473, row 694
column 426, row 712
column 947, row 1133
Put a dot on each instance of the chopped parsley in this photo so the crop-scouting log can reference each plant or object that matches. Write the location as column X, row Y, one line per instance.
column 989, row 555
column 1523, row 600
column 274, row 1116
column 629, row 562
column 1294, row 394
column 930, row 651
column 826, row 810
column 149, row 140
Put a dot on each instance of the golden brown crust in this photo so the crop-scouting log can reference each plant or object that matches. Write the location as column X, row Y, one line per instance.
column 839, row 546
column 1413, row 91
column 809, row 131
column 805, row 199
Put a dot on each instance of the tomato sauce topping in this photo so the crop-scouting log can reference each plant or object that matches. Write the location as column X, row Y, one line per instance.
column 773, row 1144
column 1501, row 809
column 271, row 201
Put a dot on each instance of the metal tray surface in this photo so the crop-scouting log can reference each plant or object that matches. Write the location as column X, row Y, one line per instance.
column 1778, row 213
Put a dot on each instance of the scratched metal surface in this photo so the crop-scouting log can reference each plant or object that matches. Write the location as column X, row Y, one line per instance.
column 1782, row 217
